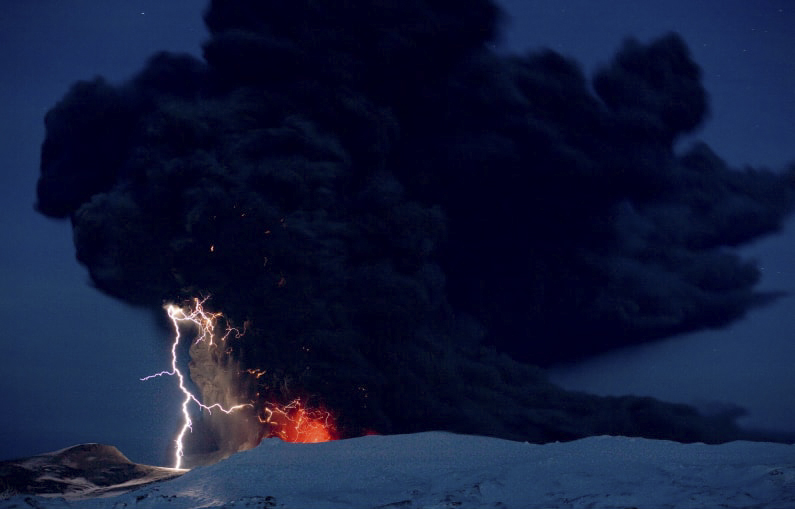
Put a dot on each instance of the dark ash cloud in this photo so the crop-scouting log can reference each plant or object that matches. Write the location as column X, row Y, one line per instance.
column 405, row 219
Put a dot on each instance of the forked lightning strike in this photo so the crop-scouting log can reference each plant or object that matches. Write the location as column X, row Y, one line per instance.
column 294, row 422
column 206, row 325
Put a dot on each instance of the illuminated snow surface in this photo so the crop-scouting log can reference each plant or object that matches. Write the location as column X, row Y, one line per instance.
column 443, row 470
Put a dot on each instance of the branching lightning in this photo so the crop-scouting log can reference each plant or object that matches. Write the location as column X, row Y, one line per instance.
column 206, row 323
column 294, row 422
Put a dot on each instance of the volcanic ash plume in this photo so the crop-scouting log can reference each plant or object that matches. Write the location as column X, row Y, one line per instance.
column 400, row 216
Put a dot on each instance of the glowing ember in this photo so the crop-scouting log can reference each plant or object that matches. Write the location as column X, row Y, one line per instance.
column 295, row 423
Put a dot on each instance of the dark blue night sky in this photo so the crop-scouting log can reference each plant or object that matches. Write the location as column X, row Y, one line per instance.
column 73, row 356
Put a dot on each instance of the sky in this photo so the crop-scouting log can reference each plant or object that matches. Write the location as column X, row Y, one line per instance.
column 71, row 374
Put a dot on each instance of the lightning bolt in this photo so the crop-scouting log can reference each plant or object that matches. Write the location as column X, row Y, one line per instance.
column 205, row 323
column 294, row 422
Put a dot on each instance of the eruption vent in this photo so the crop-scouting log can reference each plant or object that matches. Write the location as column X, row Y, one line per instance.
column 295, row 423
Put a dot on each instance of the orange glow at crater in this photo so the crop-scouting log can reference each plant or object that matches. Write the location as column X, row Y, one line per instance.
column 295, row 423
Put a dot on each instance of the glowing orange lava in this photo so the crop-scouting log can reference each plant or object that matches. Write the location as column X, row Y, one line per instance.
column 295, row 423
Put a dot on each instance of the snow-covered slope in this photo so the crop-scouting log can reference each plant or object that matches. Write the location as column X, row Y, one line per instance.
column 80, row 471
column 442, row 470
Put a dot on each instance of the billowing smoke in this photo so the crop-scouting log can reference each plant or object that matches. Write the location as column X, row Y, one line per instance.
column 406, row 221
